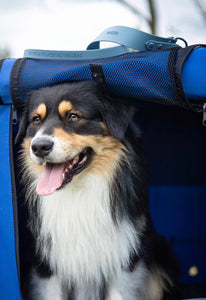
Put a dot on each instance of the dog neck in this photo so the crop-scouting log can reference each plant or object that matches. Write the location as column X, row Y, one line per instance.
column 78, row 217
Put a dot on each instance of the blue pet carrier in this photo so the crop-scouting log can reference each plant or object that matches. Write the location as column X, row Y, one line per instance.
column 168, row 85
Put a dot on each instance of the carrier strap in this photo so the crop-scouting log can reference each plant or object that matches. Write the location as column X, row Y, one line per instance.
column 127, row 38
column 133, row 39
column 75, row 55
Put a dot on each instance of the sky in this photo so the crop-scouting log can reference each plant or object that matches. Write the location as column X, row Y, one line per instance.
column 72, row 25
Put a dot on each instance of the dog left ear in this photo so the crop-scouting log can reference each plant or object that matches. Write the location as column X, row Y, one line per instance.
column 117, row 117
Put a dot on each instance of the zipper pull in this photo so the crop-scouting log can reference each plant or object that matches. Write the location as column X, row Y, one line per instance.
column 14, row 116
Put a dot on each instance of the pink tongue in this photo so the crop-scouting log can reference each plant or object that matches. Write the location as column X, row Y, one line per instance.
column 50, row 180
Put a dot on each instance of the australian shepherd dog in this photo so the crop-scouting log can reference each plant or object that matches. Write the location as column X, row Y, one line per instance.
column 86, row 192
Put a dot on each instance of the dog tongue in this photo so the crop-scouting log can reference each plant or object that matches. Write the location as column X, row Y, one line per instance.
column 50, row 180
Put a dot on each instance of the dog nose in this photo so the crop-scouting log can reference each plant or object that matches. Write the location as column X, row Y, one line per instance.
column 42, row 146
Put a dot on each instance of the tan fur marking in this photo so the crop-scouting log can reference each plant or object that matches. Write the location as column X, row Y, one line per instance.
column 64, row 107
column 142, row 223
column 108, row 154
column 104, row 127
column 157, row 284
column 41, row 111
column 108, row 151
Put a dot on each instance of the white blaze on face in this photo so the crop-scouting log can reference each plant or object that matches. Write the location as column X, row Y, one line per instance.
column 51, row 178
column 59, row 162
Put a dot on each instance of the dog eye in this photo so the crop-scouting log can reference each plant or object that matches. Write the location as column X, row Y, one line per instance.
column 73, row 117
column 36, row 119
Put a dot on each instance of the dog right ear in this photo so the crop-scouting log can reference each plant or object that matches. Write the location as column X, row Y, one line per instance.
column 22, row 127
column 117, row 117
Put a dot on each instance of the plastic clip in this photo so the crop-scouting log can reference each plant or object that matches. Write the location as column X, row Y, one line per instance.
column 181, row 39
column 14, row 116
column 204, row 115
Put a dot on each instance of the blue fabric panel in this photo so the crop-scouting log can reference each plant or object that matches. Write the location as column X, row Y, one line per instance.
column 175, row 148
column 141, row 75
column 194, row 74
column 5, row 80
column 178, row 213
column 9, row 284
column 38, row 73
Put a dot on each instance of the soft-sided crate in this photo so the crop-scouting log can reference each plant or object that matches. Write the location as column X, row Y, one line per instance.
column 174, row 139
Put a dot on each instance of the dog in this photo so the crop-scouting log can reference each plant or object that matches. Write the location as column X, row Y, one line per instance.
column 87, row 197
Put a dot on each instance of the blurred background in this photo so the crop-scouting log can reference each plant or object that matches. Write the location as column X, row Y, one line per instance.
column 73, row 24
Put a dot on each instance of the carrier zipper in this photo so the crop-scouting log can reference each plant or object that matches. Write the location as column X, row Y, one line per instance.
column 13, row 119
column 204, row 114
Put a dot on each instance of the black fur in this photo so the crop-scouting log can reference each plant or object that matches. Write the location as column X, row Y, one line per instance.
column 116, row 117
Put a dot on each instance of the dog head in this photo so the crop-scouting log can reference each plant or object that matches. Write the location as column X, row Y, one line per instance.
column 70, row 129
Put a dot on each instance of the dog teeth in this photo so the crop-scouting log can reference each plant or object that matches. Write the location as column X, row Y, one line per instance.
column 75, row 160
column 69, row 168
column 83, row 160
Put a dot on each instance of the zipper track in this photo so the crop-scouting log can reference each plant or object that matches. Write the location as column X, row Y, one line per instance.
column 14, row 198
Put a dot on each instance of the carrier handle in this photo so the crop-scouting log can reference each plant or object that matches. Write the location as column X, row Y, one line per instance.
column 127, row 38
column 133, row 39
column 75, row 55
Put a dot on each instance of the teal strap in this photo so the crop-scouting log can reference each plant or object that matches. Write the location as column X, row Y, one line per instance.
column 75, row 55
column 133, row 39
column 127, row 38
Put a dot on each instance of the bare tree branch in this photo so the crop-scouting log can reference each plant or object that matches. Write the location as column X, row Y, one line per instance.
column 4, row 53
column 152, row 20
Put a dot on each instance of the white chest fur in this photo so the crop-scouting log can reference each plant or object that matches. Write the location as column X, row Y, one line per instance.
column 85, row 241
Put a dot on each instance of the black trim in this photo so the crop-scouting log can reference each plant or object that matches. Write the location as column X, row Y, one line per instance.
column 181, row 58
column 1, row 62
column 14, row 199
column 175, row 64
column 14, row 83
column 172, row 71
